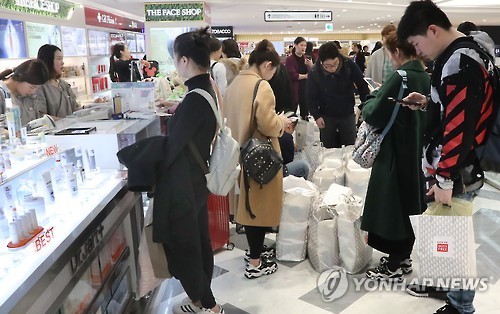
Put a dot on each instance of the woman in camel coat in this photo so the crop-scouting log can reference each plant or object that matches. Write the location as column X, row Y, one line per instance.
column 265, row 202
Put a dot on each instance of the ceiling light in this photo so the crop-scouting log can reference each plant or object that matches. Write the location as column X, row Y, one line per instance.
column 344, row 10
column 342, row 26
column 484, row 20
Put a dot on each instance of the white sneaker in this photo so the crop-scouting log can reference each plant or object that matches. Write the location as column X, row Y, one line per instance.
column 186, row 306
column 209, row 311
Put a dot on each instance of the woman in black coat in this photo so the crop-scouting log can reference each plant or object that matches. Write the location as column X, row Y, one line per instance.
column 180, row 215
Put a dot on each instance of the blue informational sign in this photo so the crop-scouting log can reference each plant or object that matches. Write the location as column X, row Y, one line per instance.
column 12, row 40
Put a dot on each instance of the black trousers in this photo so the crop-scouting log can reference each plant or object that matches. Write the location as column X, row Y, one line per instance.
column 255, row 237
column 338, row 131
column 190, row 256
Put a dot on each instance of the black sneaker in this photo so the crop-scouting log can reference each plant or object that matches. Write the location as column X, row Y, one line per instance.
column 383, row 273
column 266, row 267
column 422, row 291
column 447, row 309
column 267, row 252
column 405, row 264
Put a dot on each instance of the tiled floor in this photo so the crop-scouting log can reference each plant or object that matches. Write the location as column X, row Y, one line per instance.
column 293, row 288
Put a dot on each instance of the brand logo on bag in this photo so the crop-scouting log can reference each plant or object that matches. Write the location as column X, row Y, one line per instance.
column 332, row 284
column 442, row 246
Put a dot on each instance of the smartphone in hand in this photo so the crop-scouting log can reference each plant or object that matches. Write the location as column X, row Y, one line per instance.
column 405, row 102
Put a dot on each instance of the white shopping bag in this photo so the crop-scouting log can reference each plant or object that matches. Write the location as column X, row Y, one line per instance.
column 357, row 178
column 305, row 134
column 445, row 246
column 354, row 252
column 298, row 199
column 329, row 172
column 322, row 239
column 313, row 155
column 336, row 194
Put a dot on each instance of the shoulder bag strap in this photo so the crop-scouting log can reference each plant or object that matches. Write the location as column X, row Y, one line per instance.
column 252, row 114
column 404, row 86
column 217, row 114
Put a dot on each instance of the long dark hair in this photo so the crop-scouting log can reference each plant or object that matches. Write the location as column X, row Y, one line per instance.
column 230, row 48
column 33, row 71
column 116, row 52
column 194, row 45
column 264, row 51
column 46, row 53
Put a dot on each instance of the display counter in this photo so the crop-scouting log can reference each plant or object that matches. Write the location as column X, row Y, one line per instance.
column 84, row 259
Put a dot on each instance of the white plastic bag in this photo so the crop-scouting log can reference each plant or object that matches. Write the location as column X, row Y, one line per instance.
column 299, row 197
column 322, row 240
column 357, row 178
column 354, row 252
column 336, row 194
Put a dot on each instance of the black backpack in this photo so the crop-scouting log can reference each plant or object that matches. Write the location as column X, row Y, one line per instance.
column 489, row 152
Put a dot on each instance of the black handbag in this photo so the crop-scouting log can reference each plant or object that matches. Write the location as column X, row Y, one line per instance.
column 258, row 159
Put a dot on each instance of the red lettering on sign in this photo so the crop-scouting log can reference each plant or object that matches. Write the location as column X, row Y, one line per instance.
column 442, row 247
column 43, row 239
column 51, row 150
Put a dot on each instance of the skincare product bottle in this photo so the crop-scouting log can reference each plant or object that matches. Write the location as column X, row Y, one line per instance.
column 7, row 161
column 80, row 172
column 14, row 232
column 48, row 188
column 4, row 226
column 57, row 176
column 70, row 179
column 92, row 160
column 78, row 155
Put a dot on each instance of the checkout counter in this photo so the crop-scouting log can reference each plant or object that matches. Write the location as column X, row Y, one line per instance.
column 85, row 258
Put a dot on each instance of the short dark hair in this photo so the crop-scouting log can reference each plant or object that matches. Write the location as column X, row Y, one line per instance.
column 264, row 51
column 194, row 45
column 33, row 71
column 46, row 53
column 337, row 44
column 309, row 47
column 214, row 44
column 328, row 51
column 419, row 15
column 467, row 27
column 230, row 48
column 392, row 43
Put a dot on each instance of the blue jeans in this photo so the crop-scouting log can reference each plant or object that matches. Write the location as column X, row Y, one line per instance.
column 462, row 299
column 298, row 168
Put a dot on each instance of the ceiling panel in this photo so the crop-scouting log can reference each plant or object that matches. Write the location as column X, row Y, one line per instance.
column 369, row 16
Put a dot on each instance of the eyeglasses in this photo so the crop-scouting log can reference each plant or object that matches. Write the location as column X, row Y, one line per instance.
column 330, row 66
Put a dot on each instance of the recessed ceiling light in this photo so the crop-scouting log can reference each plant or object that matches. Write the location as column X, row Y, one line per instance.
column 298, row 23
column 344, row 10
column 484, row 20
column 388, row 15
column 315, row 23
column 342, row 26
column 281, row 32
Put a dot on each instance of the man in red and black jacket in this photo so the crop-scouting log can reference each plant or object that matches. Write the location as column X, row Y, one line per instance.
column 462, row 105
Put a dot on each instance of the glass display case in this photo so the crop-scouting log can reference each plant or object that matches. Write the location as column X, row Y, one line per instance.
column 84, row 257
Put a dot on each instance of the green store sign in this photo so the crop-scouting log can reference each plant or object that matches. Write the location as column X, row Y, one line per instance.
column 160, row 12
column 53, row 8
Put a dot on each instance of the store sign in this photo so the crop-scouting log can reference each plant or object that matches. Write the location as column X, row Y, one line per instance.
column 109, row 20
column 87, row 248
column 161, row 12
column 222, row 31
column 54, row 8
column 297, row 16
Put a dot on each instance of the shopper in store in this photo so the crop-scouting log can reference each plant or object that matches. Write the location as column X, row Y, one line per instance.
column 180, row 208
column 121, row 64
column 467, row 27
column 359, row 57
column 330, row 94
column 265, row 200
column 379, row 66
column 231, row 58
column 217, row 69
column 298, row 66
column 282, row 89
column 55, row 98
column 398, row 165
column 461, row 99
column 298, row 167
column 309, row 53
column 20, row 85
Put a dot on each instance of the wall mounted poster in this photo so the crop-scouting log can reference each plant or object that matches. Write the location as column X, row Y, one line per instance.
column 131, row 44
column 12, row 43
column 162, row 38
column 74, row 42
column 98, row 43
column 41, row 34
column 141, row 45
column 115, row 38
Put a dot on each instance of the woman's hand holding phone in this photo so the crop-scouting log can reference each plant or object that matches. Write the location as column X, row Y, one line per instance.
column 414, row 101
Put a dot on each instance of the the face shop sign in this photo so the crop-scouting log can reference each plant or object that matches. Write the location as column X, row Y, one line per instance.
column 222, row 31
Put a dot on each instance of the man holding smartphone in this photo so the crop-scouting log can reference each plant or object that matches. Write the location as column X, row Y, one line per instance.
column 461, row 104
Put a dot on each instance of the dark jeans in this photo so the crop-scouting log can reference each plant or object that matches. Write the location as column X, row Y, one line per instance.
column 344, row 126
column 190, row 256
column 255, row 237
